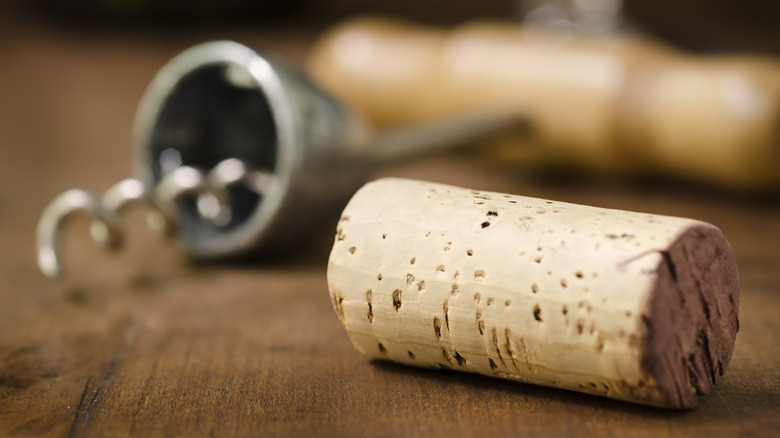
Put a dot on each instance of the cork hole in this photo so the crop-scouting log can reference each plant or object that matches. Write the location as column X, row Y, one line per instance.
column 492, row 213
column 379, row 276
column 421, row 286
column 352, row 249
column 446, row 309
column 338, row 305
column 535, row 288
column 446, row 356
column 411, row 355
column 479, row 274
column 537, row 313
column 491, row 301
column 579, row 274
column 455, row 290
column 409, row 279
column 469, row 253
column 440, row 268
column 437, row 327
column 460, row 360
column 397, row 299
column 619, row 236
column 564, row 283
column 508, row 303
column 538, row 259
column 384, row 236
column 493, row 365
column 485, row 224
column 413, row 260
column 382, row 349
column 369, row 296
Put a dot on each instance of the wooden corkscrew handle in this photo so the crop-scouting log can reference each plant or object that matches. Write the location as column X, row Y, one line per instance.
column 614, row 105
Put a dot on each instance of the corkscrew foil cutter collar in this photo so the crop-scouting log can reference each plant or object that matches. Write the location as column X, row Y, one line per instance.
column 235, row 152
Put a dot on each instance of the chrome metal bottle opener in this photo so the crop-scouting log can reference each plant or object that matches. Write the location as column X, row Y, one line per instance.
column 236, row 152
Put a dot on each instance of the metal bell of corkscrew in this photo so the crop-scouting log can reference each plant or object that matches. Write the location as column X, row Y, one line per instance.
column 235, row 152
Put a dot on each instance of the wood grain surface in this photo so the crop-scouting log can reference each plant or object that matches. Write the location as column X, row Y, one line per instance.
column 145, row 343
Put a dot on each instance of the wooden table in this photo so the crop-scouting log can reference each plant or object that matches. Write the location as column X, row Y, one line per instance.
column 144, row 343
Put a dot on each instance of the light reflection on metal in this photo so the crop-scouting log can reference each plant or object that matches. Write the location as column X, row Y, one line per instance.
column 592, row 16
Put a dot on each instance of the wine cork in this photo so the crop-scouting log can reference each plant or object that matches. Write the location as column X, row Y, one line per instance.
column 632, row 306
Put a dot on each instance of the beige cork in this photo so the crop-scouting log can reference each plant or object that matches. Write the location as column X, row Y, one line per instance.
column 631, row 306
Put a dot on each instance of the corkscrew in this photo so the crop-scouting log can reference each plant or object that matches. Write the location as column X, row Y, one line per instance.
column 236, row 152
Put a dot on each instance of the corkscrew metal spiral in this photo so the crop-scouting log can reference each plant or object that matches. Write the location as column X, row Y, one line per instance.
column 210, row 189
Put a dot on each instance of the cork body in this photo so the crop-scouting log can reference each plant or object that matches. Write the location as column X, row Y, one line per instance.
column 626, row 305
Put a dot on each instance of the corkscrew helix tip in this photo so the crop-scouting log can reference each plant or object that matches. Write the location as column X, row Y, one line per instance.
column 61, row 209
column 107, row 230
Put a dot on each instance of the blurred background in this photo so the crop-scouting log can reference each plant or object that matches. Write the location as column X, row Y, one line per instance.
column 73, row 72
column 699, row 25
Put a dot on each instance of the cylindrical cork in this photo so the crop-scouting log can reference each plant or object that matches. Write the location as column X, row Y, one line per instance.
column 632, row 306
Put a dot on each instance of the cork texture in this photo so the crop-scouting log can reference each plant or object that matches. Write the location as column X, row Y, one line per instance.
column 533, row 290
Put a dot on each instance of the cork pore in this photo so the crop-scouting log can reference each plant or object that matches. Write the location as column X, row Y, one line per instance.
column 690, row 320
